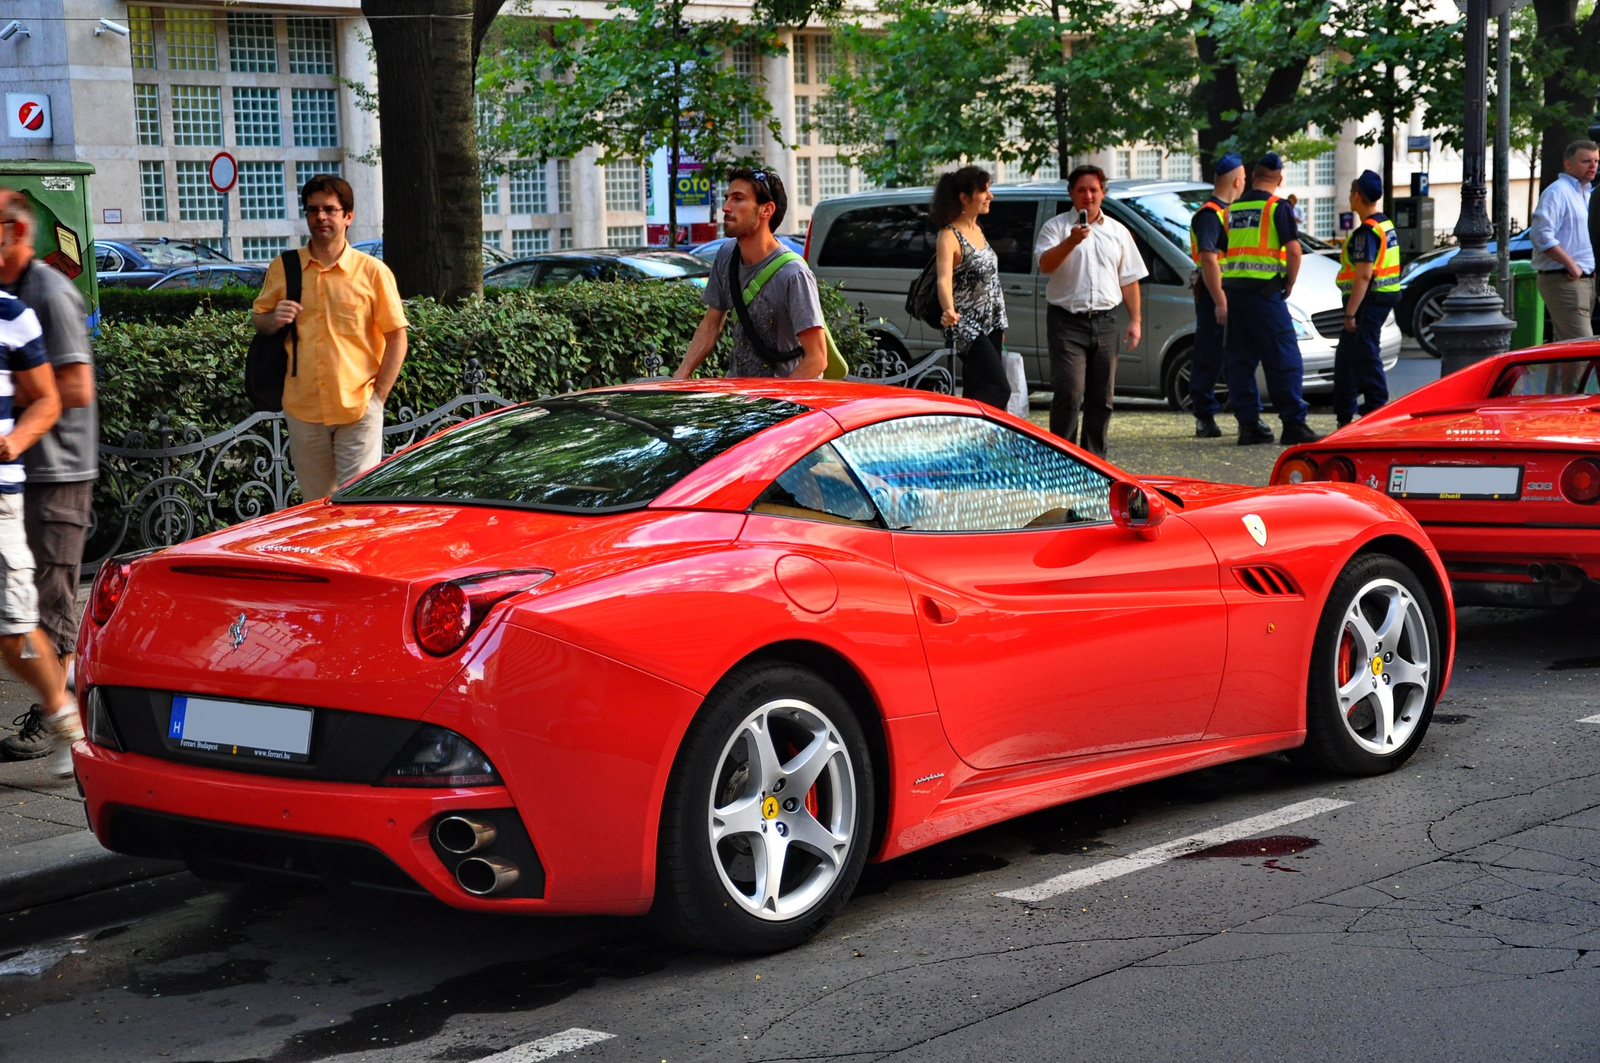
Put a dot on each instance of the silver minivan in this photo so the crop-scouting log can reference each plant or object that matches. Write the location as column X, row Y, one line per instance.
column 875, row 244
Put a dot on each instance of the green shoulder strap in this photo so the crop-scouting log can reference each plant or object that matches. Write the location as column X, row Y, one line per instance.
column 837, row 366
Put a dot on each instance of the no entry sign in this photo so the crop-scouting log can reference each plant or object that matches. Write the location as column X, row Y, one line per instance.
column 223, row 171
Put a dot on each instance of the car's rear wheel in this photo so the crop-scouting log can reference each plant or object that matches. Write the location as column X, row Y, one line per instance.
column 766, row 821
column 1426, row 314
column 1375, row 669
column 1175, row 383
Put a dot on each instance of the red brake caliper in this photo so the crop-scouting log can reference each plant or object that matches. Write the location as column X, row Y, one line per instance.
column 811, row 801
column 1347, row 657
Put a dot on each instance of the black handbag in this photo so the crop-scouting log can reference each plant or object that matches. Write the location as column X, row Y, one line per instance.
column 267, row 363
column 922, row 301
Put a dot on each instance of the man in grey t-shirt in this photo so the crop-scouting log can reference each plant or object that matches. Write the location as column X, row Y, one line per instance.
column 786, row 313
column 62, row 465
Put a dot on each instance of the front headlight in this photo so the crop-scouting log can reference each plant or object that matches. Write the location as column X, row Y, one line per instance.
column 1302, row 331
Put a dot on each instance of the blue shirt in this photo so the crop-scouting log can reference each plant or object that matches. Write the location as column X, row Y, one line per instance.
column 1562, row 220
column 22, row 344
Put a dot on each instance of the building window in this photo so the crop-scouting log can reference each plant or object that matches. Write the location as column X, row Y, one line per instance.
column 1122, row 164
column 833, row 179
column 1180, row 166
column 802, row 182
column 1322, row 216
column 1049, row 169
column 564, row 186
column 197, row 200
column 256, row 118
column 744, row 60
column 822, row 52
column 316, row 118
column 263, row 248
column 1297, row 174
column 747, row 127
column 310, row 45
column 252, row 44
column 623, row 189
column 142, row 38
column 261, row 191
column 1147, row 164
column 802, row 75
column 566, row 240
column 305, row 171
column 191, row 40
column 153, row 190
column 530, row 190
column 492, row 237
column 197, row 115
column 491, row 194
column 802, row 120
column 1325, row 168
column 216, row 243
column 529, row 241
column 624, row 235
column 147, row 114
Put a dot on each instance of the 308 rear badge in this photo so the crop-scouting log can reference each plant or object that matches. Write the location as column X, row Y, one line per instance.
column 237, row 632
column 1256, row 527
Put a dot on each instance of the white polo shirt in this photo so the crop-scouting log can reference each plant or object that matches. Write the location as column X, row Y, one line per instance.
column 1094, row 273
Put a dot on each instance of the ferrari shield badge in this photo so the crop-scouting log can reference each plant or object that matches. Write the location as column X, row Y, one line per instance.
column 1256, row 527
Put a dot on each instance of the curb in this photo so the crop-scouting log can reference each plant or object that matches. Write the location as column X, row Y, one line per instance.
column 66, row 866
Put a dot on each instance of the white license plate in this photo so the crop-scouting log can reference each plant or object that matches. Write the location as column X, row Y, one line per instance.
column 238, row 728
column 1455, row 481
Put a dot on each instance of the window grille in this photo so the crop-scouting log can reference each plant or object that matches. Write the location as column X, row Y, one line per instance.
column 1180, row 166
column 744, row 60
column 802, row 120
column 491, row 194
column 529, row 188
column 141, row 37
column 566, row 239
column 833, row 179
column 493, row 238
column 147, row 114
column 529, row 241
column 263, row 248
column 1147, row 164
column 261, row 191
column 197, row 115
column 564, row 186
column 624, row 235
column 153, row 190
column 802, row 182
column 802, row 74
column 1325, row 165
column 191, row 40
column 1123, row 164
column 623, row 188
column 257, row 118
column 822, row 52
column 305, row 171
column 310, row 46
column 316, row 118
column 252, row 44
column 1322, row 216
column 1297, row 174
column 197, row 200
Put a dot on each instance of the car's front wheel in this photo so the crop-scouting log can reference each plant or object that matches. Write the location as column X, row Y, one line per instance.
column 767, row 817
column 1426, row 314
column 1375, row 669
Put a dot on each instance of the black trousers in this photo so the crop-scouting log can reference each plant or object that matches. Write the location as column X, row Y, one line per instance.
column 1083, row 372
column 983, row 371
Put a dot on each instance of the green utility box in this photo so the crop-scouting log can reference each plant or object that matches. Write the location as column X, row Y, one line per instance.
column 1529, row 306
column 59, row 193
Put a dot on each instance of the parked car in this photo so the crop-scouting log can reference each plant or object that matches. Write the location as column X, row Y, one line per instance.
column 709, row 249
column 492, row 255
column 1428, row 278
column 557, row 268
column 875, row 243
column 138, row 263
column 228, row 275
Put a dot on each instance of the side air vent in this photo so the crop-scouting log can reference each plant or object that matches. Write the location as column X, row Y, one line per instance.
column 1269, row 581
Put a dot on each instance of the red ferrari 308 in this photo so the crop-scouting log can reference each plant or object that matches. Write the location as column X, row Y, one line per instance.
column 1500, row 462
column 705, row 648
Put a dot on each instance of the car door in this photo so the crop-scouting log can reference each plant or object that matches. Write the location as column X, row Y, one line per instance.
column 1049, row 631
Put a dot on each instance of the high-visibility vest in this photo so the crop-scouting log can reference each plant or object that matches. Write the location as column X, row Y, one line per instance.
column 1385, row 271
column 1222, row 216
column 1254, row 250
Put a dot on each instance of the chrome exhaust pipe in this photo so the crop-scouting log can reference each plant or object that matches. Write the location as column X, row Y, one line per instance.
column 462, row 835
column 483, row 876
column 1536, row 572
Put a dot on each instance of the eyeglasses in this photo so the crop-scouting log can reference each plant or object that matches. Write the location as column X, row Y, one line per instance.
column 312, row 212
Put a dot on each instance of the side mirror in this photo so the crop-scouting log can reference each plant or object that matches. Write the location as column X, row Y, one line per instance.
column 1137, row 509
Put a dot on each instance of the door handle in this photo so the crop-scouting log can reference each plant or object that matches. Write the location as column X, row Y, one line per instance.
column 937, row 611
column 1018, row 289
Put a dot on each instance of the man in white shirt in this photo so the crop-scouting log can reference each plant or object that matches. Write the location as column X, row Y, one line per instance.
column 1562, row 251
column 1093, row 265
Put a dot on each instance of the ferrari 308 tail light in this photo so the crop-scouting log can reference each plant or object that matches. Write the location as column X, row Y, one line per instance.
column 448, row 613
column 1580, row 481
column 1338, row 470
column 1297, row 471
column 109, row 583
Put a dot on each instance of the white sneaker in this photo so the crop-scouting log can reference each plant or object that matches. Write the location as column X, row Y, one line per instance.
column 65, row 729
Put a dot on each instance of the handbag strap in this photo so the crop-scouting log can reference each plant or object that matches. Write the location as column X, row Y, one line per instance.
column 291, row 292
column 758, row 343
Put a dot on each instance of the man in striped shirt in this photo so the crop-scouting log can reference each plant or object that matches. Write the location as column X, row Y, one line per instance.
column 26, row 379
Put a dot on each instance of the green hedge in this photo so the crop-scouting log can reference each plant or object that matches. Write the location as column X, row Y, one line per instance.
column 528, row 343
column 140, row 305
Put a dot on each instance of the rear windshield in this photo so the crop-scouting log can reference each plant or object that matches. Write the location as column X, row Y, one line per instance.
column 594, row 453
column 1569, row 376
column 668, row 264
column 161, row 254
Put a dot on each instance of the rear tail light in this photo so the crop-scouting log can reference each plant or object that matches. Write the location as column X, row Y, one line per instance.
column 1580, row 481
column 97, row 725
column 438, row 757
column 1297, row 471
column 448, row 613
column 109, row 583
column 1338, row 470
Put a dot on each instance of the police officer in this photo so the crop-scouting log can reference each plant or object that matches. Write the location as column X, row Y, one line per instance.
column 1208, row 245
column 1369, row 277
column 1257, row 276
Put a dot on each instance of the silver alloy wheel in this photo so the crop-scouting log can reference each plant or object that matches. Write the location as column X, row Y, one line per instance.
column 782, row 813
column 1382, row 666
column 1430, row 308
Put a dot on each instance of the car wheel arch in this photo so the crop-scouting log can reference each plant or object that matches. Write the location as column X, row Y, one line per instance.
column 1414, row 557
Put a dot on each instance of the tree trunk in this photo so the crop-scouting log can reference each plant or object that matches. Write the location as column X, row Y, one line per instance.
column 433, row 229
column 1219, row 95
column 1558, row 28
column 1387, row 140
column 1059, row 106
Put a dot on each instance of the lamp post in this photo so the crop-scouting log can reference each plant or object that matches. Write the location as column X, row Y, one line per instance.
column 1473, row 326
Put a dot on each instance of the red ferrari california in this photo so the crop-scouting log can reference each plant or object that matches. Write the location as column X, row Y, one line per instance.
column 705, row 648
column 1500, row 462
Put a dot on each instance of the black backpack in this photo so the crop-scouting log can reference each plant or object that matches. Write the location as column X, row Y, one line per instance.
column 922, row 301
column 267, row 363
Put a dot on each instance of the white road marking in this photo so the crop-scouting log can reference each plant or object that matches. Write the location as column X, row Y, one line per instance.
column 549, row 1047
column 1160, row 854
column 1590, row 719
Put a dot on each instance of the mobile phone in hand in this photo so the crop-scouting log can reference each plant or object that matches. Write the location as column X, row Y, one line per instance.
column 1083, row 217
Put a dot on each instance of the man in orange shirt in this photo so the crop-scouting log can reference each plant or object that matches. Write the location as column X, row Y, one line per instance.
column 352, row 342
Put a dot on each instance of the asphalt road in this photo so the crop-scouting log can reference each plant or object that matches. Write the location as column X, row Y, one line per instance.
column 1448, row 911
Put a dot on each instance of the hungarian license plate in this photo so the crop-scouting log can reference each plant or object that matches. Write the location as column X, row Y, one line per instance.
column 1455, row 481
column 237, row 728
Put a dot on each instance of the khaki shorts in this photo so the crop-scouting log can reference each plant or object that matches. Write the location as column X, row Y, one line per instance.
column 19, row 598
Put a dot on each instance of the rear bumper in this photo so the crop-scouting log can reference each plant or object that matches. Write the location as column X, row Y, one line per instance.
column 1517, row 565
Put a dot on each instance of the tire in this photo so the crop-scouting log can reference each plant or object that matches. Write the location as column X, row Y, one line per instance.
column 1428, row 310
column 1366, row 716
column 726, row 818
column 1175, row 384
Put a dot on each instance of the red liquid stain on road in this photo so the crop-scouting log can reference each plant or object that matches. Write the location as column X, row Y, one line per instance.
column 1272, row 845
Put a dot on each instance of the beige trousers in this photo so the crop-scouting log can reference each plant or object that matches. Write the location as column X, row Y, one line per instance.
column 1570, row 302
column 327, row 455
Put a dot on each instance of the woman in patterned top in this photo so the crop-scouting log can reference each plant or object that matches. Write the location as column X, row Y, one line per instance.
column 969, row 284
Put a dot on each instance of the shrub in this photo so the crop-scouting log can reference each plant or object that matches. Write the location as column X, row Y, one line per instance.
column 140, row 305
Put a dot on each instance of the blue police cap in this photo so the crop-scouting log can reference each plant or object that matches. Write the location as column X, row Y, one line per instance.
column 1229, row 163
column 1370, row 185
column 1270, row 161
